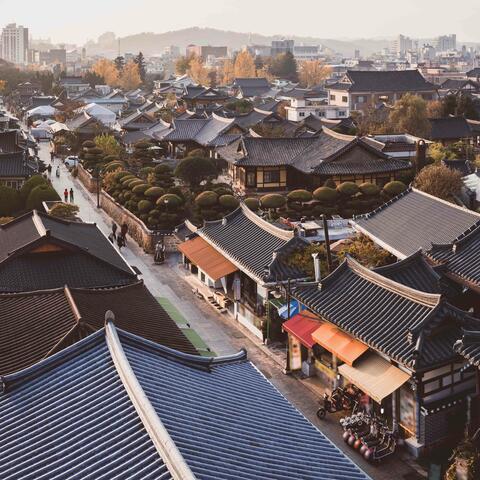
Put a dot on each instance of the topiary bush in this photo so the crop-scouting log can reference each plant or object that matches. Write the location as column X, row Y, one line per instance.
column 154, row 192
column 88, row 144
column 120, row 175
column 206, row 199
column 252, row 203
column 228, row 201
column 30, row 184
column 325, row 194
column 369, row 189
column 300, row 196
column 273, row 200
column 144, row 206
column 348, row 189
column 10, row 201
column 140, row 188
column 171, row 200
column 330, row 183
column 392, row 189
column 41, row 193
column 127, row 178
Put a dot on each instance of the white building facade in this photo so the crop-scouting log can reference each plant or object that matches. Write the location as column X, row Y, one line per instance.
column 14, row 43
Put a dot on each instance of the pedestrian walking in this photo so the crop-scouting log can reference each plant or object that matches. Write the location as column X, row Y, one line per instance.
column 120, row 241
column 52, row 156
column 49, row 170
column 114, row 229
column 123, row 232
column 65, row 195
column 71, row 195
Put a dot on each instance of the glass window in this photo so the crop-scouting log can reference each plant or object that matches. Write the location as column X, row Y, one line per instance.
column 251, row 179
column 271, row 176
column 344, row 99
column 332, row 97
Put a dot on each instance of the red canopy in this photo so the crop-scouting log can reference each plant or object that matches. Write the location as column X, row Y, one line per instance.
column 302, row 325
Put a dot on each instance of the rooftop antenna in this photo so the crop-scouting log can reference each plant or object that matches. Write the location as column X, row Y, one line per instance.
column 119, row 46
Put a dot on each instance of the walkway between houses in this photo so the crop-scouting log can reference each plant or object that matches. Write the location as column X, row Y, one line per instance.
column 216, row 330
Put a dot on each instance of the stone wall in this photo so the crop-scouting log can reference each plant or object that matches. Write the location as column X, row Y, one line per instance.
column 88, row 181
column 136, row 228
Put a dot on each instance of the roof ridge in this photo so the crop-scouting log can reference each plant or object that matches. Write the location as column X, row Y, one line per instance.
column 158, row 433
column 277, row 231
column 37, row 221
column 427, row 299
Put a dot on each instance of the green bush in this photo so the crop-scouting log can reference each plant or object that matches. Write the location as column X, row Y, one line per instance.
column 206, row 199
column 10, row 201
column 144, row 206
column 325, row 194
column 120, row 175
column 222, row 191
column 162, row 169
column 349, row 189
column 30, row 184
column 170, row 199
column 394, row 188
column 330, row 183
column 41, row 193
column 252, row 203
column 154, row 213
column 140, row 188
column 272, row 200
column 154, row 192
column 369, row 189
column 300, row 196
column 133, row 183
column 110, row 158
column 228, row 201
column 88, row 144
column 127, row 178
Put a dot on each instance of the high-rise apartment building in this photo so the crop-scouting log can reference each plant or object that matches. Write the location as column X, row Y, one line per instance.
column 15, row 44
column 446, row 42
column 402, row 45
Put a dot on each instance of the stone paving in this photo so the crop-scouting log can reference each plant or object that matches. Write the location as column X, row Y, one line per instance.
column 219, row 332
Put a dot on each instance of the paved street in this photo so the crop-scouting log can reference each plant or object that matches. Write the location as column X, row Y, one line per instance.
column 216, row 329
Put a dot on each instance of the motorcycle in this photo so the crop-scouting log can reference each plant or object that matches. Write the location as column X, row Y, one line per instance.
column 331, row 403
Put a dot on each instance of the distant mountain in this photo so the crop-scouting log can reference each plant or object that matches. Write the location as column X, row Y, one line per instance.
column 154, row 43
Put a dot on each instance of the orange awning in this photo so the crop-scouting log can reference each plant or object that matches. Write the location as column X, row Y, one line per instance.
column 301, row 326
column 345, row 347
column 205, row 257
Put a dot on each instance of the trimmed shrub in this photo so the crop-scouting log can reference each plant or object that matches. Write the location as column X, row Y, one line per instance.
column 272, row 200
column 394, row 188
column 252, row 203
column 88, row 144
column 170, row 199
column 126, row 178
column 222, row 191
column 330, row 183
column 154, row 213
column 41, row 193
column 135, row 182
column 141, row 188
column 325, row 194
column 349, row 189
column 300, row 196
column 144, row 206
column 30, row 184
column 162, row 169
column 120, row 175
column 110, row 158
column 206, row 199
column 369, row 189
column 10, row 201
column 154, row 192
column 228, row 201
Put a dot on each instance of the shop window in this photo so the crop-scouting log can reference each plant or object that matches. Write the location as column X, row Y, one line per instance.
column 271, row 176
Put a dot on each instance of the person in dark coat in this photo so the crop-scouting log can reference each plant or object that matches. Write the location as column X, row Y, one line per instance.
column 65, row 195
column 124, row 230
column 71, row 195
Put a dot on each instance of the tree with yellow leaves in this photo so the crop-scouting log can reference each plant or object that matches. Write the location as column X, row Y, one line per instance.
column 227, row 72
column 3, row 85
column 106, row 69
column 198, row 72
column 313, row 72
column 130, row 78
column 244, row 65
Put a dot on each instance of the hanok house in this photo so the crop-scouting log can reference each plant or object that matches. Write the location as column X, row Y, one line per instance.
column 394, row 342
column 41, row 252
column 250, row 88
column 207, row 133
column 147, row 411
column 359, row 90
column 450, row 130
column 86, row 127
column 258, row 165
column 205, row 98
column 241, row 259
column 40, row 323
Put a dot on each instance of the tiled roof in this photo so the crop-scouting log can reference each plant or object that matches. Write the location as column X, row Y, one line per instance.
column 37, row 324
column 202, row 131
column 250, row 92
column 388, row 316
column 254, row 245
column 328, row 153
column 80, row 254
column 384, row 81
column 414, row 272
column 197, row 92
column 15, row 165
column 414, row 220
column 460, row 257
column 251, row 82
column 9, row 140
column 464, row 167
column 449, row 128
column 117, row 405
column 469, row 346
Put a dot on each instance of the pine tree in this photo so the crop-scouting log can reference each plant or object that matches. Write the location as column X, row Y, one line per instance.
column 140, row 61
column 119, row 64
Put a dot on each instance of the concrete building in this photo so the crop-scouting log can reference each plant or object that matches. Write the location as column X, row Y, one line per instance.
column 15, row 44
column 446, row 42
column 402, row 44
column 204, row 51
column 282, row 46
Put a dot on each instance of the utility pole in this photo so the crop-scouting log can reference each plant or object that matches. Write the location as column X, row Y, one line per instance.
column 327, row 244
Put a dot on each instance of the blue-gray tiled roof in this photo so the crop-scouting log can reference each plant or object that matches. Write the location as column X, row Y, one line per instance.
column 71, row 416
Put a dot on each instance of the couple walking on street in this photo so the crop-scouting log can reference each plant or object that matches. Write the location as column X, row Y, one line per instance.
column 121, row 238
column 66, row 195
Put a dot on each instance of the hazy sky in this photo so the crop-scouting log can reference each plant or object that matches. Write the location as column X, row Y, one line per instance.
column 80, row 20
